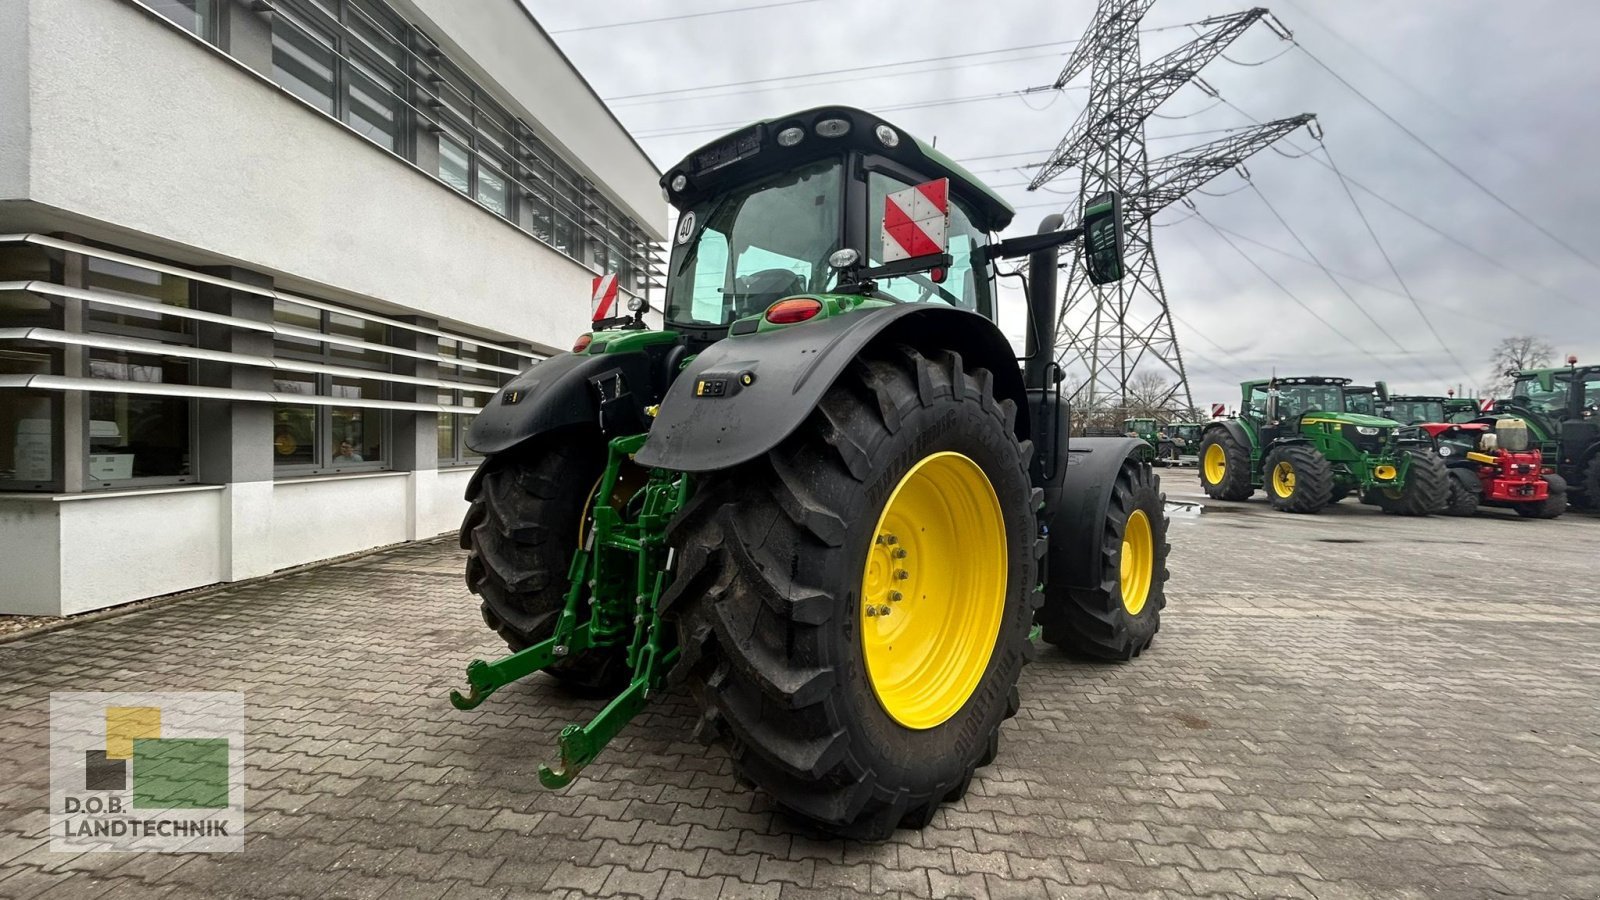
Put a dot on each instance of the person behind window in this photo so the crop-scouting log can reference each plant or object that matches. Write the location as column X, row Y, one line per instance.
column 347, row 454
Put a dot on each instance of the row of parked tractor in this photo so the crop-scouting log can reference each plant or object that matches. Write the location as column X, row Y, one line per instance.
column 1309, row 442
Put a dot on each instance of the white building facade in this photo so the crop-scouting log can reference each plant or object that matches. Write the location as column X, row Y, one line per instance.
column 260, row 260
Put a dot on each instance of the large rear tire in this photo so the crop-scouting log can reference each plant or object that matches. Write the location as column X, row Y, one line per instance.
column 1589, row 497
column 1224, row 466
column 1554, row 504
column 1427, row 487
column 1461, row 499
column 1117, row 619
column 520, row 532
column 1298, row 479
column 787, row 560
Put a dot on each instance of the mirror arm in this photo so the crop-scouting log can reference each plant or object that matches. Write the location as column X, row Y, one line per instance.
column 1029, row 243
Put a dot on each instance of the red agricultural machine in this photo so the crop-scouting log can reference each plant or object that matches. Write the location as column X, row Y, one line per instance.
column 1493, row 464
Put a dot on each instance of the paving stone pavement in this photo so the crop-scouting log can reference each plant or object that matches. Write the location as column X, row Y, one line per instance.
column 1340, row 706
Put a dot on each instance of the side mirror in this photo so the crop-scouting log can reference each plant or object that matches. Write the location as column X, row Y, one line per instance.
column 1103, row 239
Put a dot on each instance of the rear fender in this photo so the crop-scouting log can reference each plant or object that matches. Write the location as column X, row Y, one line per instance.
column 1077, row 524
column 607, row 390
column 1235, row 429
column 744, row 395
column 1467, row 477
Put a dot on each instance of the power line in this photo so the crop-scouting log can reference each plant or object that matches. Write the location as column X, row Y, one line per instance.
column 1347, row 276
column 1376, row 242
column 1322, row 265
column 714, row 12
column 870, row 68
column 921, row 104
column 1384, row 199
column 843, row 71
column 1286, row 292
column 1448, row 162
column 1402, row 80
column 647, row 101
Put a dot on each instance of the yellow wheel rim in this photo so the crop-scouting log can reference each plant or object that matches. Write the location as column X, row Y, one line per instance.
column 1138, row 562
column 1283, row 479
column 933, row 591
column 1216, row 464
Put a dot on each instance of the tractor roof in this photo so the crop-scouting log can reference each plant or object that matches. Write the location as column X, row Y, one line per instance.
column 1418, row 398
column 1294, row 380
column 753, row 151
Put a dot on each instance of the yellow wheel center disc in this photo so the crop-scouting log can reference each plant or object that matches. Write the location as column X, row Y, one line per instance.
column 1216, row 464
column 1137, row 570
column 1283, row 479
column 933, row 591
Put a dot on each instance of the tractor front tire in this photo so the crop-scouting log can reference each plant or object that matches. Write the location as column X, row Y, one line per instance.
column 1117, row 619
column 1298, row 479
column 520, row 532
column 906, row 490
column 1461, row 499
column 1339, row 493
column 1224, row 466
column 1552, row 506
column 1427, row 487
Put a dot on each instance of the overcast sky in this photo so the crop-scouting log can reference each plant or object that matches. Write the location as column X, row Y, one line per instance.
column 1508, row 91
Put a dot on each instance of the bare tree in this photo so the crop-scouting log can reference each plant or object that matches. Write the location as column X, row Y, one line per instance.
column 1512, row 355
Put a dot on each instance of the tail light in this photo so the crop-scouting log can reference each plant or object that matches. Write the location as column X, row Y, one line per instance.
column 795, row 309
column 582, row 343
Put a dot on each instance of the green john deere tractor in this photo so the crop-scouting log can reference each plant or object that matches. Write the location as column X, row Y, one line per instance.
column 826, row 496
column 1460, row 409
column 1178, row 439
column 1296, row 440
column 1562, row 409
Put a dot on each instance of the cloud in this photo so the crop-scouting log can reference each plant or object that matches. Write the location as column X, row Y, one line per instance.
column 1500, row 90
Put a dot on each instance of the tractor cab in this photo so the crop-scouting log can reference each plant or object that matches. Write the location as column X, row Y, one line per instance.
column 1415, row 410
column 846, row 209
column 790, row 206
column 1280, row 402
column 1562, row 408
column 1143, row 429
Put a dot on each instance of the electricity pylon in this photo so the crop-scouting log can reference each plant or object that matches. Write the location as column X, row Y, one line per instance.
column 1113, row 330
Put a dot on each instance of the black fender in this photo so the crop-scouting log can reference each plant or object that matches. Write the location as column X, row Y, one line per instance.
column 1234, row 429
column 744, row 395
column 608, row 390
column 1077, row 523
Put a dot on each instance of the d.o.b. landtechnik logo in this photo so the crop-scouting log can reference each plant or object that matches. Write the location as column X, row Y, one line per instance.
column 147, row 771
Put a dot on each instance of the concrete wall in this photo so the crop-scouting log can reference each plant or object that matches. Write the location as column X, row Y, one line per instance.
column 71, row 553
column 316, row 518
column 507, row 48
column 231, row 166
column 13, row 100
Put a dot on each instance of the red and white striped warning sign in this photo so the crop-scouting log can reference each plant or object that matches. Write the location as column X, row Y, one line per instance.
column 603, row 296
column 1486, row 405
column 916, row 220
column 1218, row 409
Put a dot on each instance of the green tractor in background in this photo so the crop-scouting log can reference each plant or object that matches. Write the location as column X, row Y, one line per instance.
column 1562, row 409
column 827, row 496
column 1296, row 439
column 1415, row 409
column 1458, row 410
column 1178, row 439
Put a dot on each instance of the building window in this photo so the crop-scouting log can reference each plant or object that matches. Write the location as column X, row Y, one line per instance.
column 29, row 422
column 453, row 449
column 303, row 59
column 139, row 437
column 196, row 16
column 314, row 438
column 455, row 168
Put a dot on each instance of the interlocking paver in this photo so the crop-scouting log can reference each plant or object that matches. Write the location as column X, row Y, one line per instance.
column 1317, row 719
